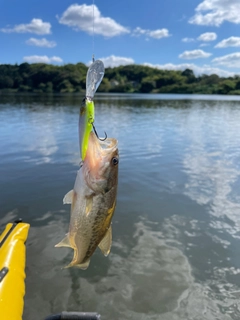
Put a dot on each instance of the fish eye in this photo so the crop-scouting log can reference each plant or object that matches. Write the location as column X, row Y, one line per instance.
column 114, row 161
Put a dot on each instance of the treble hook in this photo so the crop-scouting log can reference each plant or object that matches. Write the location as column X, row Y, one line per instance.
column 97, row 134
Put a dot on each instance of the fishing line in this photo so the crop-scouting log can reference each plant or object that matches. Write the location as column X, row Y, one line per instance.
column 93, row 32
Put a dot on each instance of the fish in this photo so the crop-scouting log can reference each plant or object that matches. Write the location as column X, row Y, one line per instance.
column 93, row 201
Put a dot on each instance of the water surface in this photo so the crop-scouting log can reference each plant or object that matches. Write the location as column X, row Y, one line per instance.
column 176, row 229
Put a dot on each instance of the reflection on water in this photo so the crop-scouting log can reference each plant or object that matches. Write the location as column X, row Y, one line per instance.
column 212, row 163
column 176, row 229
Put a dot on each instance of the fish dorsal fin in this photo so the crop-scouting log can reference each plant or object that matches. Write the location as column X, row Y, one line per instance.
column 89, row 204
column 106, row 243
column 68, row 197
column 64, row 243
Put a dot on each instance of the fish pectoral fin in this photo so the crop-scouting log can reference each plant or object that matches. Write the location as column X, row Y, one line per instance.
column 106, row 243
column 68, row 197
column 82, row 266
column 89, row 204
column 64, row 243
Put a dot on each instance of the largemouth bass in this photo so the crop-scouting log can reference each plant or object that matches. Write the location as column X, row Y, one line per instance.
column 93, row 200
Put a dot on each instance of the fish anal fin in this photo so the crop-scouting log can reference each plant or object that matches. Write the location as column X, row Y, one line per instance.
column 64, row 243
column 68, row 197
column 106, row 243
column 82, row 266
column 89, row 204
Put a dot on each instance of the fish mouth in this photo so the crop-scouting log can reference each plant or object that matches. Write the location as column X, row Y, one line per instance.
column 99, row 151
column 107, row 145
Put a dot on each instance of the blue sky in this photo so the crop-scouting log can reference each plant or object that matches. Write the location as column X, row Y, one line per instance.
column 203, row 35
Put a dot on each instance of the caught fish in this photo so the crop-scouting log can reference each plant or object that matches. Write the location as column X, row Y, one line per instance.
column 93, row 200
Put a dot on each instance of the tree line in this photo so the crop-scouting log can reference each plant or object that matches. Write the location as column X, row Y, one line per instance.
column 47, row 78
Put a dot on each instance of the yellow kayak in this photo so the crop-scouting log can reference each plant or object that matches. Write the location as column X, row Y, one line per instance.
column 12, row 270
column 12, row 276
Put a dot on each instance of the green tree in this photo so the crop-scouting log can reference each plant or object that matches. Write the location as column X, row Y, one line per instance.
column 189, row 74
column 147, row 85
column 40, row 77
column 65, row 86
column 6, row 82
column 105, row 85
column 226, row 86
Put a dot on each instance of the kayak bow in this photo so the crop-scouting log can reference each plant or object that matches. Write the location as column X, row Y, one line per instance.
column 12, row 270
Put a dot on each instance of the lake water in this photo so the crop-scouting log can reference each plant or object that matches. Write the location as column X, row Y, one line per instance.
column 176, row 228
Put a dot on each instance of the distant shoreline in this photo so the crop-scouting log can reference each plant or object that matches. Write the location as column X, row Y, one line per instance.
column 71, row 78
column 119, row 98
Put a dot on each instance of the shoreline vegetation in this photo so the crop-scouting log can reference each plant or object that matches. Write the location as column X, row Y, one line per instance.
column 46, row 78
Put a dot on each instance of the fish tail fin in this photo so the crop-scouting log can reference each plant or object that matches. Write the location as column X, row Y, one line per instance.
column 82, row 266
column 64, row 243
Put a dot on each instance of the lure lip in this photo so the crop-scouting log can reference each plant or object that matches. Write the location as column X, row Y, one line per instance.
column 94, row 77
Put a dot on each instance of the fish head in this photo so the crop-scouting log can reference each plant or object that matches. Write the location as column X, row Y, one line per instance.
column 101, row 164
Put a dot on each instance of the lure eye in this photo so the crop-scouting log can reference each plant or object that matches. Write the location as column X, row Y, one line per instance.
column 114, row 161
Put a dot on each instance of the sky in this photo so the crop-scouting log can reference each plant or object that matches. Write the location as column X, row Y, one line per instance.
column 203, row 35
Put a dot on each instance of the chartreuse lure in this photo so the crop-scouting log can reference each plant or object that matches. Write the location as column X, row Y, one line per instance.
column 86, row 118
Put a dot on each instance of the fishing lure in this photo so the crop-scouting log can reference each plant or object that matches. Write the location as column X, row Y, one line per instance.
column 86, row 118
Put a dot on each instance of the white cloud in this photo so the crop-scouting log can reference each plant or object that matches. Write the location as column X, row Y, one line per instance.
column 41, row 43
column 36, row 26
column 114, row 61
column 194, row 54
column 215, row 12
column 230, row 60
column 229, row 42
column 207, row 36
column 42, row 59
column 204, row 45
column 157, row 34
column 205, row 69
column 139, row 31
column 160, row 33
column 188, row 40
column 80, row 17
